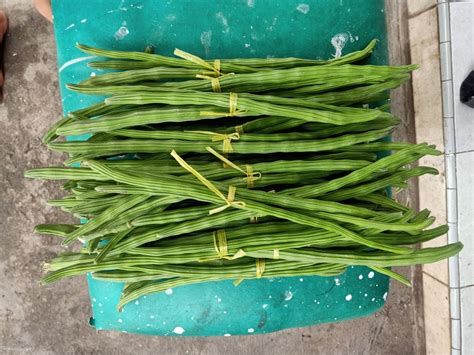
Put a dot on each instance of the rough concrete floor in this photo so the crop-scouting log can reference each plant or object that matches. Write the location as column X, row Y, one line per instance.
column 54, row 319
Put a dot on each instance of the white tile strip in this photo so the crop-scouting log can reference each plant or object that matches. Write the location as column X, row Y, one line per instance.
column 449, row 139
column 450, row 163
column 450, row 169
column 444, row 30
column 445, row 48
column 455, row 33
column 456, row 333
column 454, row 301
column 447, row 86
column 452, row 200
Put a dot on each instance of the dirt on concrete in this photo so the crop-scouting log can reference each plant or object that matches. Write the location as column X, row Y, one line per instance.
column 54, row 319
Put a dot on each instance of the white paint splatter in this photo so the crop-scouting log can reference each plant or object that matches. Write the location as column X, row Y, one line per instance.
column 121, row 6
column 350, row 37
column 74, row 61
column 337, row 281
column 169, row 291
column 84, row 20
column 371, row 274
column 206, row 41
column 152, row 317
column 93, row 74
column 94, row 300
column 301, row 279
column 178, row 330
column 373, row 299
column 120, row 320
column 250, row 330
column 385, row 296
column 250, row 3
column 303, row 8
column 348, row 297
column 265, row 306
column 100, row 304
column 365, row 295
column 121, row 33
column 360, row 307
column 223, row 20
column 288, row 295
column 361, row 277
column 227, row 335
column 247, row 45
column 338, row 42
column 70, row 26
column 137, row 303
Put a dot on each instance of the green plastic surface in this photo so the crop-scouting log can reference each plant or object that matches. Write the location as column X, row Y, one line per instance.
column 224, row 28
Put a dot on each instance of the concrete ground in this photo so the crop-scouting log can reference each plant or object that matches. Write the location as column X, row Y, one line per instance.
column 54, row 319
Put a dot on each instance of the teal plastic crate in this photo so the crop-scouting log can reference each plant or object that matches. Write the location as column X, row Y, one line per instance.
column 224, row 28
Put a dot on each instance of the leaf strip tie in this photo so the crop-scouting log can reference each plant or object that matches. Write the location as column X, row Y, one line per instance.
column 276, row 254
column 225, row 138
column 220, row 243
column 199, row 61
column 229, row 200
column 259, row 267
column 216, row 85
column 239, row 129
column 233, row 109
column 251, row 175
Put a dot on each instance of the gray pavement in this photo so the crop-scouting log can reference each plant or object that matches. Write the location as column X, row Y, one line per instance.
column 54, row 319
